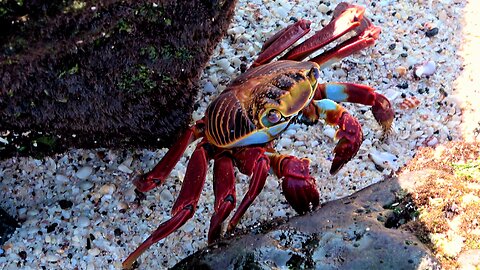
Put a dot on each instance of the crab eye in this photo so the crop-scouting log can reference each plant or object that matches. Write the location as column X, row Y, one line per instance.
column 314, row 73
column 274, row 116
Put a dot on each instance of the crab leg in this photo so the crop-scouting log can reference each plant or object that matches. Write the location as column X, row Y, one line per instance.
column 298, row 186
column 364, row 39
column 160, row 172
column 347, row 18
column 349, row 132
column 224, row 189
column 254, row 162
column 281, row 41
column 184, row 207
column 358, row 93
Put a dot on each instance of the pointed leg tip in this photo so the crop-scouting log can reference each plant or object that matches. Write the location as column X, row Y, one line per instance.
column 143, row 183
column 337, row 165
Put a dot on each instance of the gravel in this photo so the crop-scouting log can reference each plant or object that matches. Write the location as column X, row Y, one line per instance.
column 107, row 219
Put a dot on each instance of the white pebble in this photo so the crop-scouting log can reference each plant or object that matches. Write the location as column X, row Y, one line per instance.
column 166, row 195
column 188, row 227
column 52, row 258
column 285, row 142
column 279, row 213
column 425, row 69
column 432, row 142
column 94, row 251
column 236, row 30
column 323, row 8
column 84, row 172
column 329, row 131
column 85, row 185
column 124, row 168
column 281, row 11
column 209, row 88
column 60, row 178
column 83, row 222
column 384, row 159
column 32, row 212
column 107, row 189
column 223, row 63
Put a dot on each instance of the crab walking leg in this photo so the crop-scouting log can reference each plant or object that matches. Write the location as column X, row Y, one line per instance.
column 184, row 207
column 298, row 186
column 281, row 41
column 348, row 18
column 349, row 132
column 363, row 40
column 160, row 172
column 224, row 189
column 358, row 93
column 254, row 162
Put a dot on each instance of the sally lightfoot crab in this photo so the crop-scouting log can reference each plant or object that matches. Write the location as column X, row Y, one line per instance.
column 240, row 125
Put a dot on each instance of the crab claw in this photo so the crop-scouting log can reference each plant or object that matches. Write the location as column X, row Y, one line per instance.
column 350, row 137
column 298, row 186
column 383, row 112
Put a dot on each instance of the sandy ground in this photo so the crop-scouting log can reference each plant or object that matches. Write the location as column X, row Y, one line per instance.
column 467, row 85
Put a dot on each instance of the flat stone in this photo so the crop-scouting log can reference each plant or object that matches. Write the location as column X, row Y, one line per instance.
column 343, row 234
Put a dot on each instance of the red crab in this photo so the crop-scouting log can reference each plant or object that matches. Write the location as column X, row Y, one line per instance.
column 240, row 124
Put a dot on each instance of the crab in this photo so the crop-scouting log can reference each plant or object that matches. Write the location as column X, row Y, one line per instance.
column 242, row 123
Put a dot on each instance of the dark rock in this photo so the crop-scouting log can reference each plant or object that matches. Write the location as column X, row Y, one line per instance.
column 336, row 236
column 432, row 32
column 8, row 225
column 65, row 204
column 106, row 74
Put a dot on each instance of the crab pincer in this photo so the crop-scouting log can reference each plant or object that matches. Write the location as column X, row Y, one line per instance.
column 350, row 137
column 299, row 188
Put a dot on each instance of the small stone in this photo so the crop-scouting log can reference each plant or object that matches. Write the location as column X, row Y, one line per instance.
column 52, row 258
column 432, row 32
column 166, row 195
column 51, row 227
column 209, row 88
column 83, row 222
column 94, row 251
column 32, row 212
column 403, row 85
column 107, row 189
column 401, row 70
column 60, row 178
column 323, row 8
column 84, row 172
column 425, row 69
column 329, row 132
column 65, row 204
column 117, row 232
column 281, row 11
column 23, row 255
column 124, row 168
column 188, row 227
column 86, row 185
column 223, row 63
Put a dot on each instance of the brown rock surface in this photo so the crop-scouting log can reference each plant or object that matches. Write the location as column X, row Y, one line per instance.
column 110, row 73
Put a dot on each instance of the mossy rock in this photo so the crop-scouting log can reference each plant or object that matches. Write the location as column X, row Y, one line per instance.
column 102, row 74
